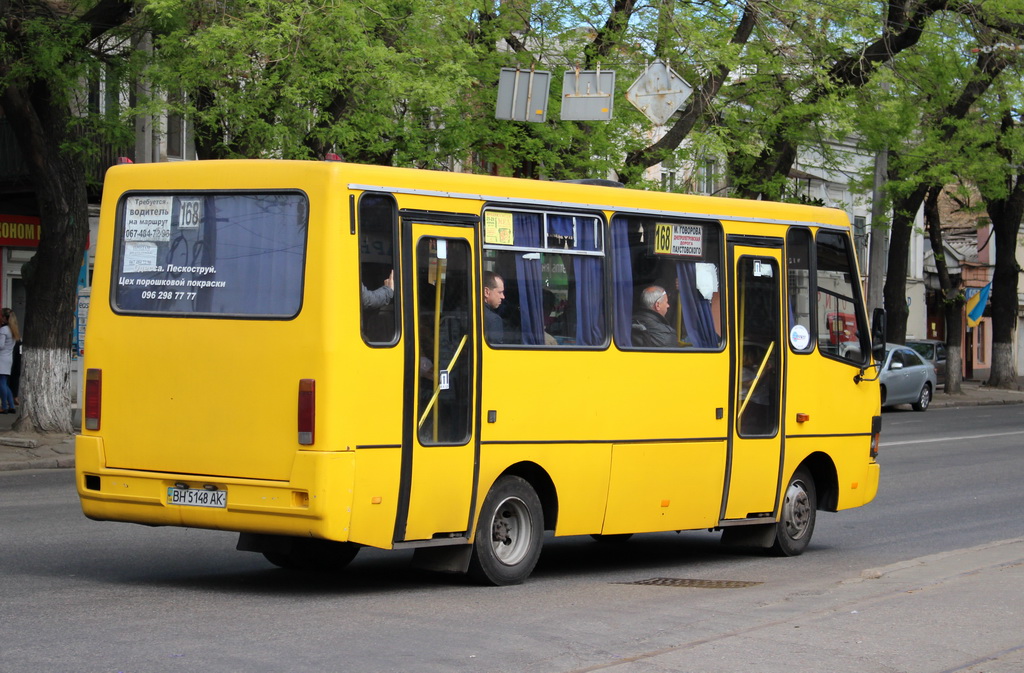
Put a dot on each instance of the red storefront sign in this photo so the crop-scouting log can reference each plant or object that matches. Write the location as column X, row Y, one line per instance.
column 19, row 231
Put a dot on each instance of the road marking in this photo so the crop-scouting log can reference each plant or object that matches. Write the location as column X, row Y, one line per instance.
column 954, row 439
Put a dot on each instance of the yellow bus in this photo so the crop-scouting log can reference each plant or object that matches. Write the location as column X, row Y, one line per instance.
column 323, row 356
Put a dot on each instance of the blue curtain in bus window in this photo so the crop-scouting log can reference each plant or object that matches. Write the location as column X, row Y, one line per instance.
column 697, row 316
column 622, row 282
column 526, row 231
column 589, row 286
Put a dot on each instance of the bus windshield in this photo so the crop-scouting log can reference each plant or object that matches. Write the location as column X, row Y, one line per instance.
column 223, row 254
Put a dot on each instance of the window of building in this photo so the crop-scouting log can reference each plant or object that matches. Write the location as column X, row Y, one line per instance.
column 551, row 267
column 666, row 276
column 707, row 177
column 175, row 135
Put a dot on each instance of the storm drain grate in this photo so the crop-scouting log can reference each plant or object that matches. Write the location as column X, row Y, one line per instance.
column 696, row 584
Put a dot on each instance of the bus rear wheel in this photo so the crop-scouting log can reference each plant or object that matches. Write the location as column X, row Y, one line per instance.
column 799, row 511
column 311, row 555
column 508, row 535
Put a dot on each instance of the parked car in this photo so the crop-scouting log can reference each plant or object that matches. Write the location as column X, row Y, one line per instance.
column 906, row 378
column 933, row 352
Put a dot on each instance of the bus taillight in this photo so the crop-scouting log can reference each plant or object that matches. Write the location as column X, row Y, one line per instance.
column 93, row 391
column 307, row 410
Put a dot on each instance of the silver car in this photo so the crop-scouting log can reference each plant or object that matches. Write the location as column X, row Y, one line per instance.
column 934, row 352
column 906, row 378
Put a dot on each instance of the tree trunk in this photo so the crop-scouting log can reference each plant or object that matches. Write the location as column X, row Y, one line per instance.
column 895, row 291
column 1005, row 215
column 1004, row 367
column 40, row 123
column 952, row 297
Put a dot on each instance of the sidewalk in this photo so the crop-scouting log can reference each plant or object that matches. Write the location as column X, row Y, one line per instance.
column 20, row 451
column 30, row 452
column 955, row 611
column 975, row 394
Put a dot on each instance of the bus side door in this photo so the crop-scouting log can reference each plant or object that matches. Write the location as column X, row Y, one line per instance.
column 755, row 455
column 439, row 437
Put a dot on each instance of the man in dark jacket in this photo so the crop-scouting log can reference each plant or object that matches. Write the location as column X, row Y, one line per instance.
column 494, row 294
column 650, row 328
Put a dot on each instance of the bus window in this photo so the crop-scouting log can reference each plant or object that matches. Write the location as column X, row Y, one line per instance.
column 552, row 266
column 443, row 272
column 798, row 264
column 376, row 269
column 839, row 332
column 222, row 254
column 684, row 260
column 758, row 324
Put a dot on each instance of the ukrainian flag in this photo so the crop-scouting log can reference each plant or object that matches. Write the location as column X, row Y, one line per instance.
column 976, row 306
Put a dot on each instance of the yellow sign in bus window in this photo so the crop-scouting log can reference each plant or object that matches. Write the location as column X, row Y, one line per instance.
column 498, row 228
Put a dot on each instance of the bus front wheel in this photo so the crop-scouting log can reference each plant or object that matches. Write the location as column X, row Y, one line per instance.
column 799, row 509
column 508, row 535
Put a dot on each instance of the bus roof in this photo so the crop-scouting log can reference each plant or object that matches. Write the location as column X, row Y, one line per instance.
column 278, row 174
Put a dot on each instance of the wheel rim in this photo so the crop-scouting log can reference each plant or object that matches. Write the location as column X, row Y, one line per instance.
column 796, row 511
column 511, row 531
column 926, row 397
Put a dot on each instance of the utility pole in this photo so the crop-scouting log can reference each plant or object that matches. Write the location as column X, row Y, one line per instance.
column 878, row 252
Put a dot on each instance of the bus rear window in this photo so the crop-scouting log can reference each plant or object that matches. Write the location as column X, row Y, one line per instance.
column 211, row 254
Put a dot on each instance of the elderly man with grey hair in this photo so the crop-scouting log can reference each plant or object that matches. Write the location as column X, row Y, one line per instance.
column 650, row 327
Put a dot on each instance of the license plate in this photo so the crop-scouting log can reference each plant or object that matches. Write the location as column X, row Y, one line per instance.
column 195, row 497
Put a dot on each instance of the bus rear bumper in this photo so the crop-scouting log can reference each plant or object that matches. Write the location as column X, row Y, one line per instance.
column 314, row 502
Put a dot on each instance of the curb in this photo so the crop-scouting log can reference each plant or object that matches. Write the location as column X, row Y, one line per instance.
column 883, row 571
column 37, row 464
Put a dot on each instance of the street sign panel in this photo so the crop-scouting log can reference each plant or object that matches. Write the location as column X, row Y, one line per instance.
column 659, row 92
column 587, row 95
column 523, row 95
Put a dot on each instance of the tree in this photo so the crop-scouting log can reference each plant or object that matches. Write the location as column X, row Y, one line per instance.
column 945, row 91
column 46, row 52
column 1004, row 199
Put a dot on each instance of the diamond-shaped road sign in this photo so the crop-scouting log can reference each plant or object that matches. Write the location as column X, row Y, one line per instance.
column 658, row 92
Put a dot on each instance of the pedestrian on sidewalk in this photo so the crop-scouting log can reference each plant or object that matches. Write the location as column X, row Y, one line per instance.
column 9, row 336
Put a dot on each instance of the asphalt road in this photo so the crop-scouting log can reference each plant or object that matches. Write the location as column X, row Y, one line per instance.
column 77, row 595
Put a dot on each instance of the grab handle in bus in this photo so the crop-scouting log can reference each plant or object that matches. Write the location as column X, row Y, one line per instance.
column 437, row 389
column 757, row 379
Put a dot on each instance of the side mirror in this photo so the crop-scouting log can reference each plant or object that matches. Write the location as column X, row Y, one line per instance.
column 878, row 334
column 896, row 365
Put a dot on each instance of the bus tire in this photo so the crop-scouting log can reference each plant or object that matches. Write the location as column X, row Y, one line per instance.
column 311, row 555
column 508, row 534
column 796, row 522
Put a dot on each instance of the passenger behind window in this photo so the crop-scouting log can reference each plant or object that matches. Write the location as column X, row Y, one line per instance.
column 494, row 294
column 650, row 327
column 378, row 310
column 380, row 297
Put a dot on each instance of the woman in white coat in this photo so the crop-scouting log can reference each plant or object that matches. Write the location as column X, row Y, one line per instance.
column 9, row 336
